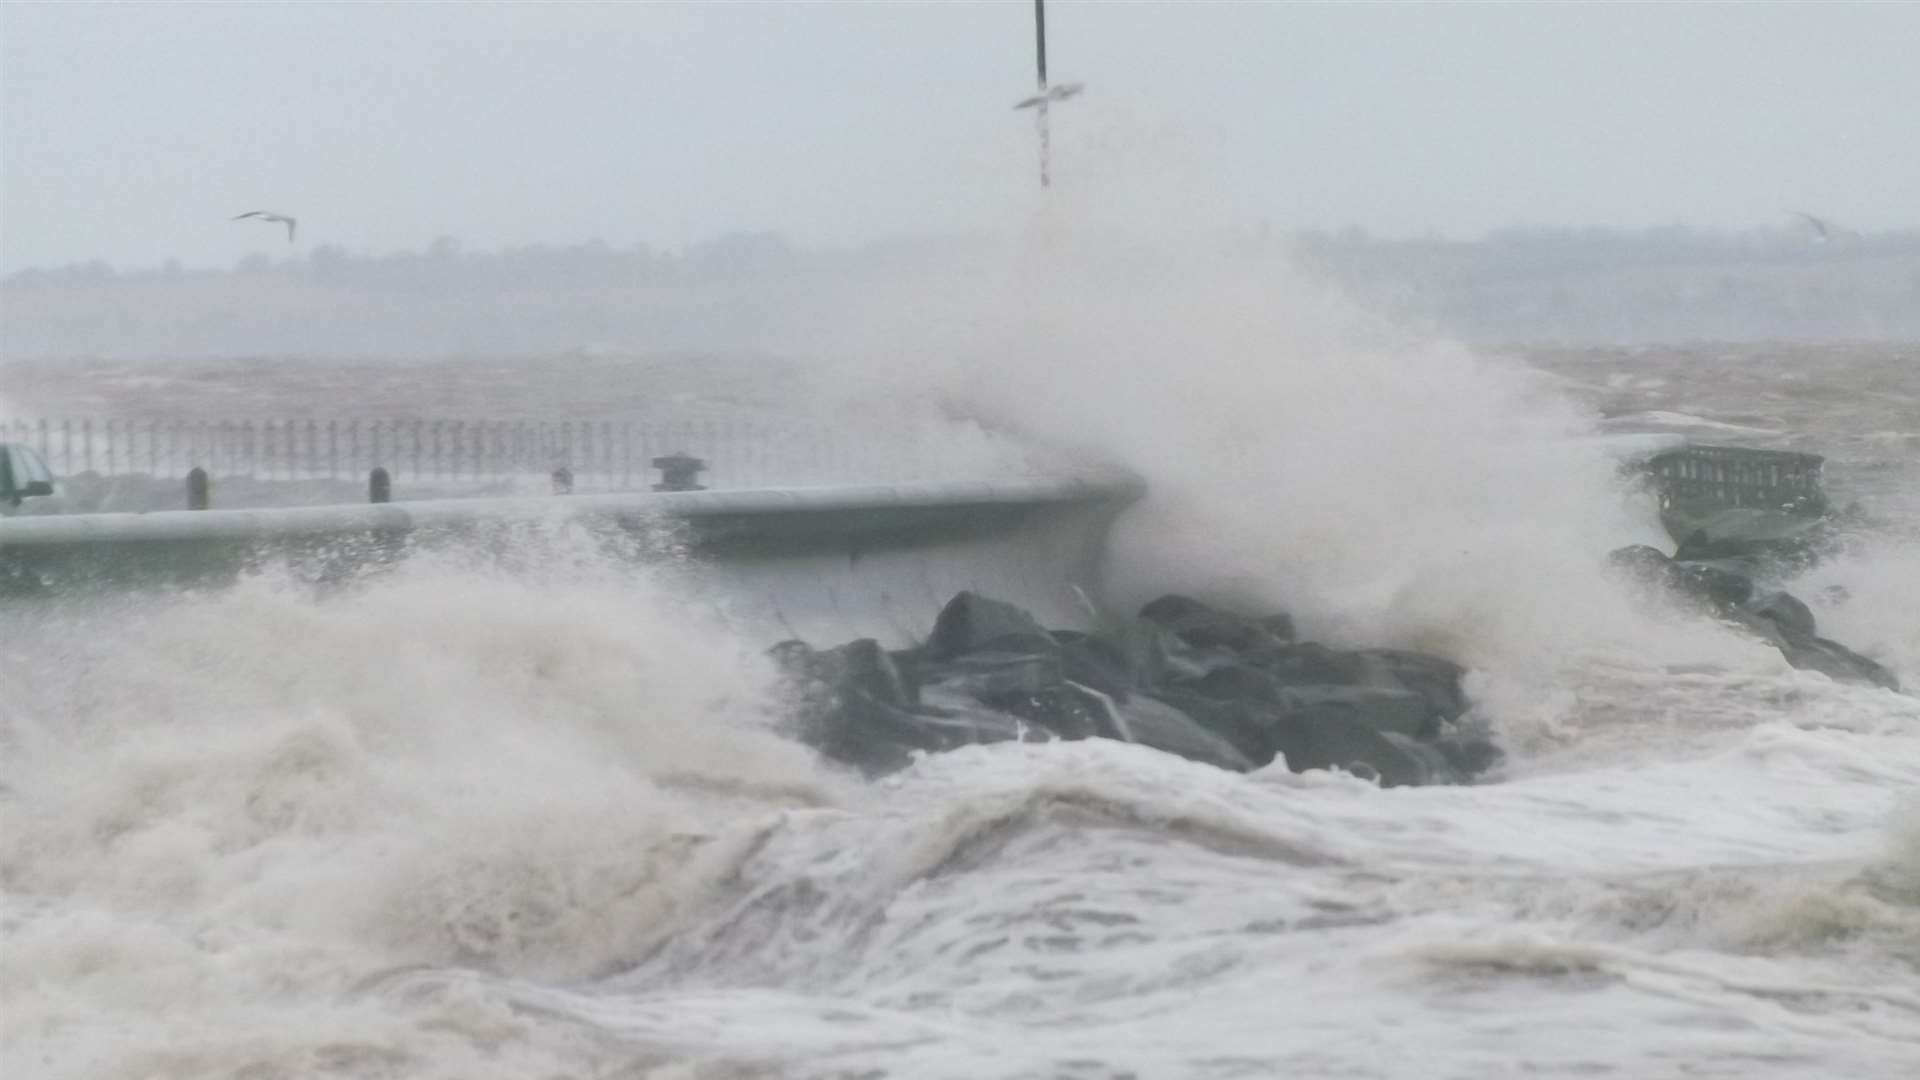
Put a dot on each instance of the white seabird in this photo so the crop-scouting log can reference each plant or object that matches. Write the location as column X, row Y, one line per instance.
column 267, row 215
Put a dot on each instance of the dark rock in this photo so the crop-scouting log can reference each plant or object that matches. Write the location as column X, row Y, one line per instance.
column 1383, row 709
column 1725, row 587
column 1470, row 755
column 1646, row 564
column 878, row 738
column 1031, row 687
column 1280, row 626
column 1167, row 658
column 988, row 676
column 1233, row 682
column 1095, row 662
column 1837, row 662
column 1372, row 688
column 1720, row 584
column 1716, row 584
column 855, row 705
column 1163, row 727
column 1198, row 625
column 1318, row 728
column 1785, row 611
column 1312, row 664
column 1436, row 680
column 858, row 665
column 1315, row 740
column 970, row 622
column 1245, row 726
column 1066, row 713
column 1435, row 766
column 1212, row 686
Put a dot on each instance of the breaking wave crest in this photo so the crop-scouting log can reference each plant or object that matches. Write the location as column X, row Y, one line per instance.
column 222, row 810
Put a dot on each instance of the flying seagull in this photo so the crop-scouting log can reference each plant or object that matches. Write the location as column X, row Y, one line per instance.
column 1822, row 232
column 265, row 215
column 1052, row 94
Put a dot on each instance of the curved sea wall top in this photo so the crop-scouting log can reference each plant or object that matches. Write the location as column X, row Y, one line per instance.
column 815, row 563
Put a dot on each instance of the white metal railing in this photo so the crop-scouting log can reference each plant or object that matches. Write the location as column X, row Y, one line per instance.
column 599, row 454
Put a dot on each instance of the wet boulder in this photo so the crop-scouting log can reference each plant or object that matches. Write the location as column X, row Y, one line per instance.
column 1031, row 687
column 1437, row 680
column 1648, row 565
column 1327, row 740
column 1243, row 725
column 861, row 667
column 1791, row 616
column 1470, row 753
column 1310, row 663
column 1718, row 585
column 1200, row 626
column 991, row 676
column 1163, row 727
column 1837, row 662
column 1232, row 682
column 1725, row 588
column 1383, row 709
column 857, row 707
column 1095, row 662
column 1230, row 690
column 971, row 622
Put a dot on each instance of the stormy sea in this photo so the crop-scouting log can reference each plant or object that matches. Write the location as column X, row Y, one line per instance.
column 541, row 817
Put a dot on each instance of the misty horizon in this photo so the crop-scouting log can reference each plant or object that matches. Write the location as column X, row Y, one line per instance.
column 134, row 134
column 1779, row 241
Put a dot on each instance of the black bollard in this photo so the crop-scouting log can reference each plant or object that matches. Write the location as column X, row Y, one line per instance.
column 563, row 481
column 679, row 472
column 199, row 490
column 379, row 485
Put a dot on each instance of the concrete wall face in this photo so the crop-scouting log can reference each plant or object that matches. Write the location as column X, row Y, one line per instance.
column 824, row 565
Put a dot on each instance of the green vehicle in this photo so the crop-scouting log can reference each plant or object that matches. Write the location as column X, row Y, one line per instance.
column 22, row 476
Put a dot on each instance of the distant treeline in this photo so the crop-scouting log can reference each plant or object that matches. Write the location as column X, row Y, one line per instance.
column 759, row 291
column 447, row 262
column 1666, row 245
column 1603, row 286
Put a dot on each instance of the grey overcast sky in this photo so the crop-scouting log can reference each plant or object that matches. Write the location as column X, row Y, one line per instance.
column 133, row 131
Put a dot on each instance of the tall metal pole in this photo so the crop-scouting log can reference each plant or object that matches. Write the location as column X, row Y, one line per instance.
column 1040, row 39
column 1040, row 52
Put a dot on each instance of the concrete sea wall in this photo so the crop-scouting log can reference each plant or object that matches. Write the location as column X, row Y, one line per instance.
column 825, row 563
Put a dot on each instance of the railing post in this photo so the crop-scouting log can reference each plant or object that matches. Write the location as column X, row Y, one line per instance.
column 679, row 472
column 199, row 491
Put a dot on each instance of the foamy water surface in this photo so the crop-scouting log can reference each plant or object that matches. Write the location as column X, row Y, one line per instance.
column 467, row 820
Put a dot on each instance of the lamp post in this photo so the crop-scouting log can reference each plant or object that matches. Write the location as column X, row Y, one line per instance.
column 1048, row 94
